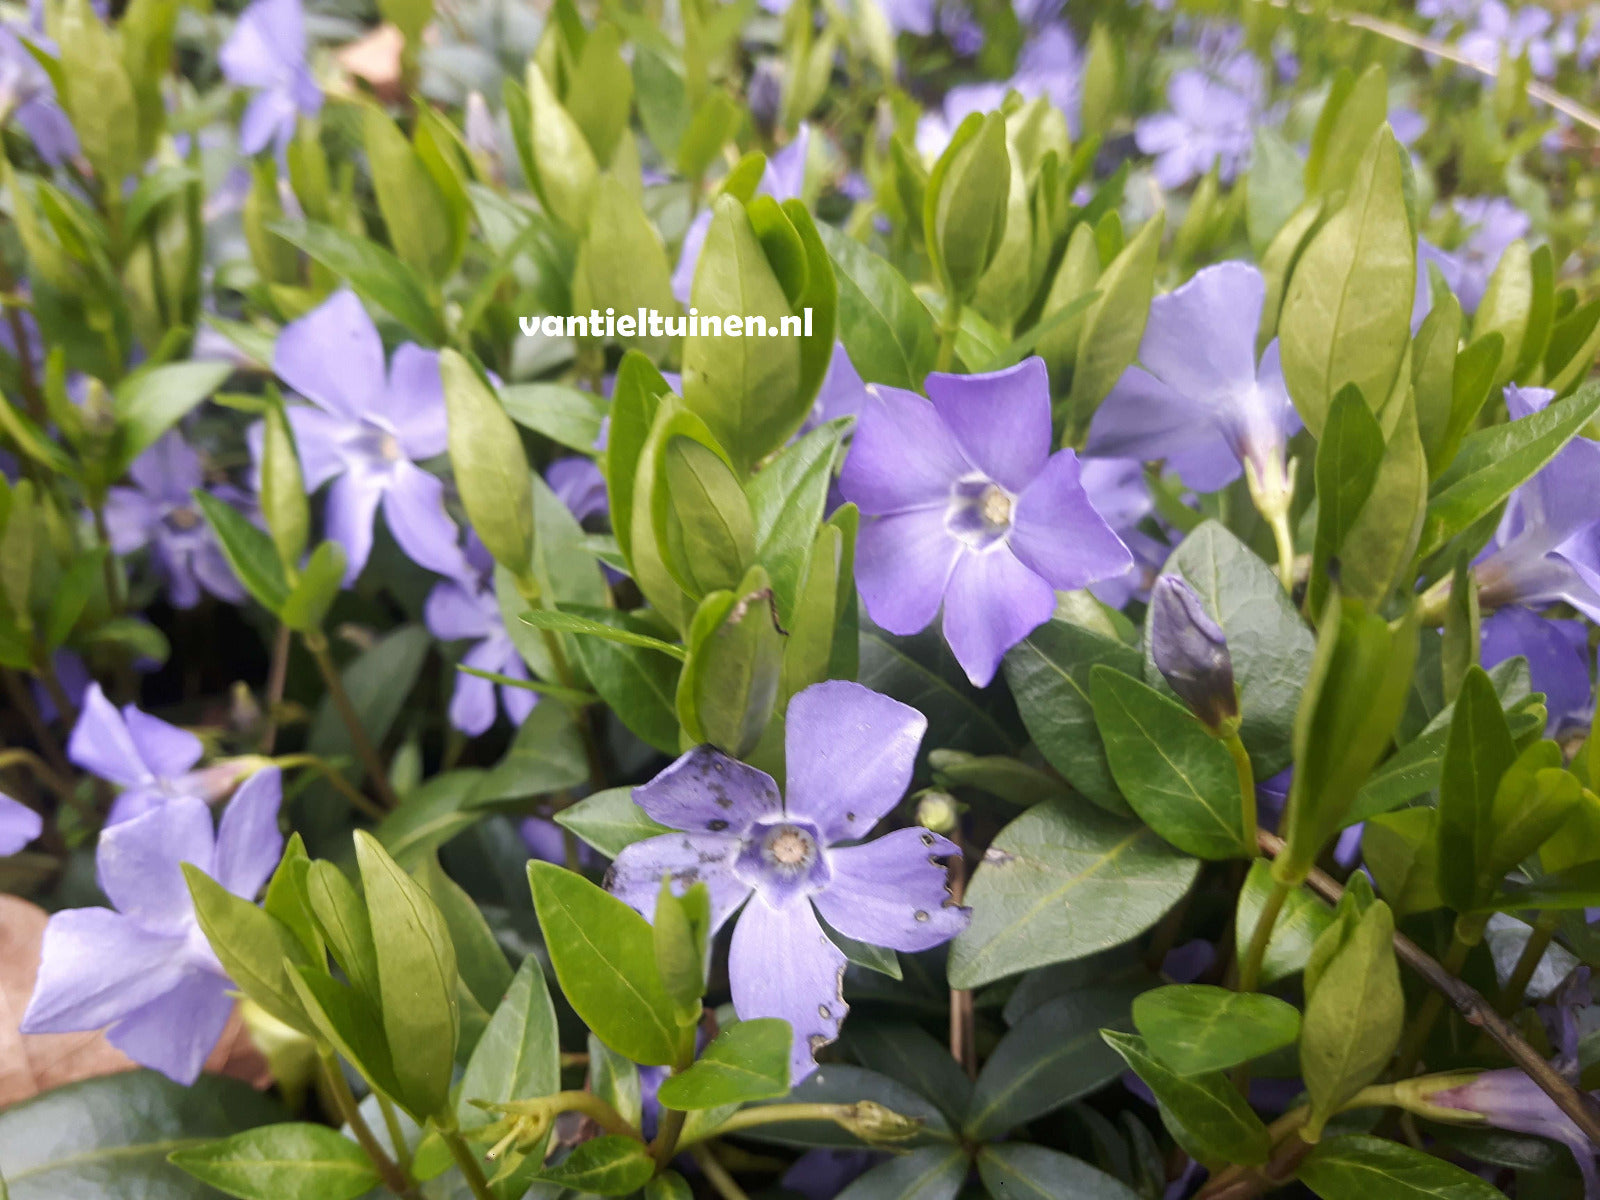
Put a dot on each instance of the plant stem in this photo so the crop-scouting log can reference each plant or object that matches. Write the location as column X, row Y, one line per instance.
column 528, row 589
column 1578, row 1105
column 277, row 678
column 1416, row 1038
column 775, row 1114
column 340, row 784
column 949, row 327
column 397, row 1181
column 717, row 1175
column 593, row 1107
column 59, row 784
column 467, row 1161
column 317, row 644
column 1250, row 969
column 1544, row 932
column 666, row 1143
column 108, row 564
column 397, row 1138
column 23, row 699
column 1247, row 791
column 963, row 1020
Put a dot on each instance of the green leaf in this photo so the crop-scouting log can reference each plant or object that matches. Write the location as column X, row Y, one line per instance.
column 1299, row 924
column 1351, row 116
column 1179, row 778
column 341, row 918
column 563, row 166
column 377, row 276
column 638, row 683
column 623, row 265
column 283, row 499
column 909, row 1054
column 609, row 1165
column 964, row 211
column 546, row 755
column 729, row 686
column 416, row 980
column 249, row 551
column 668, row 1186
column 609, row 821
column 703, row 525
column 430, row 815
column 111, row 1136
column 1051, row 1057
column 490, row 467
column 1060, row 882
column 480, row 961
column 282, row 1162
column 787, row 502
column 1347, row 313
column 604, row 956
column 886, row 330
column 1113, row 325
column 1493, row 462
column 256, row 949
column 1507, row 307
column 838, row 1083
column 569, row 622
column 1358, row 1166
column 682, row 925
column 1193, row 1028
column 377, row 682
column 1048, row 673
column 1020, row 1171
column 426, row 235
column 931, row 1173
column 749, row 1061
column 567, row 415
column 519, row 1055
column 1479, row 752
column 150, row 402
column 1205, row 1114
column 920, row 671
column 315, row 591
column 1270, row 645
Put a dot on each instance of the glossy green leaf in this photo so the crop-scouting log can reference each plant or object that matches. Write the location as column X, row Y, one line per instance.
column 603, row 954
column 931, row 1173
column 282, row 1162
column 609, row 821
column 1179, row 778
column 1195, row 1028
column 1113, row 325
column 378, row 682
column 749, row 1061
column 256, row 949
column 638, row 682
column 729, row 685
column 376, row 275
column 1358, row 1166
column 682, row 927
column 249, row 551
column 1478, row 753
column 964, row 211
column 519, row 1055
column 150, row 402
column 1299, row 924
column 315, row 591
column 1020, row 1171
column 490, row 467
column 1205, row 1114
column 567, row 415
column 609, row 1165
column 885, row 329
column 1060, row 882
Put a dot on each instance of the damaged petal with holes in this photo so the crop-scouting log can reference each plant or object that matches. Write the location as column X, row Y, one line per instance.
column 788, row 859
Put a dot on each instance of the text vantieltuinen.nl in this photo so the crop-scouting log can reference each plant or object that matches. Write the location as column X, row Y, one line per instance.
column 650, row 322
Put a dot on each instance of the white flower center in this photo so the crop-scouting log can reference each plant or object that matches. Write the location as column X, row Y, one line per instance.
column 980, row 512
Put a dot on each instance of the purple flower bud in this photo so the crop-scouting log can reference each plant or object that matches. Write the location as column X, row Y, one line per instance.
column 1191, row 651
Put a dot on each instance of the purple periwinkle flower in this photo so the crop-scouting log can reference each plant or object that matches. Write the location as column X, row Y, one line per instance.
column 150, row 760
column 577, row 482
column 1191, row 652
column 1120, row 493
column 1050, row 65
column 1211, row 123
column 19, row 825
column 29, row 97
column 367, row 430
column 143, row 967
column 1557, row 650
column 1493, row 223
column 968, row 508
column 1547, row 547
column 159, row 512
column 1509, row 1099
column 467, row 609
column 1200, row 400
column 267, row 52
column 1503, row 34
column 849, row 754
column 783, row 179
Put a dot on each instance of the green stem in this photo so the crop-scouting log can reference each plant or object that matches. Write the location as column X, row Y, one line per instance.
column 467, row 1161
column 1247, row 791
column 108, row 564
column 717, row 1175
column 666, row 1143
column 948, row 329
column 844, row 1115
column 1416, row 1037
column 317, row 644
column 1250, row 969
column 397, row 1137
column 528, row 588
column 1285, row 543
column 1544, row 932
column 593, row 1107
column 23, row 699
column 397, row 1181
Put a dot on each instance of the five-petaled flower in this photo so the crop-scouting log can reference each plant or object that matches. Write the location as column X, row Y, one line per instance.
column 159, row 512
column 145, row 969
column 149, row 759
column 969, row 508
column 267, row 51
column 849, row 754
column 468, row 609
column 367, row 429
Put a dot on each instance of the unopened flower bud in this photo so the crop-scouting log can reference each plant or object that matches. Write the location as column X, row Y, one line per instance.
column 1452, row 1097
column 1191, row 652
column 938, row 811
column 872, row 1122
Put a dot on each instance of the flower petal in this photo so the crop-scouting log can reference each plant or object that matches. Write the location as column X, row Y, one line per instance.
column 333, row 357
column 992, row 603
column 413, row 505
column 1058, row 534
column 176, row 1032
column 416, row 402
column 849, row 752
column 1145, row 419
column 706, row 790
column 19, row 825
column 452, row 611
column 347, row 519
column 782, row 964
column 472, row 703
column 249, row 842
column 1001, row 419
column 902, row 456
column 903, row 564
column 167, row 750
column 894, row 891
column 129, row 519
column 689, row 858
column 1201, row 338
column 317, row 436
column 101, row 744
column 139, row 863
column 95, row 967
